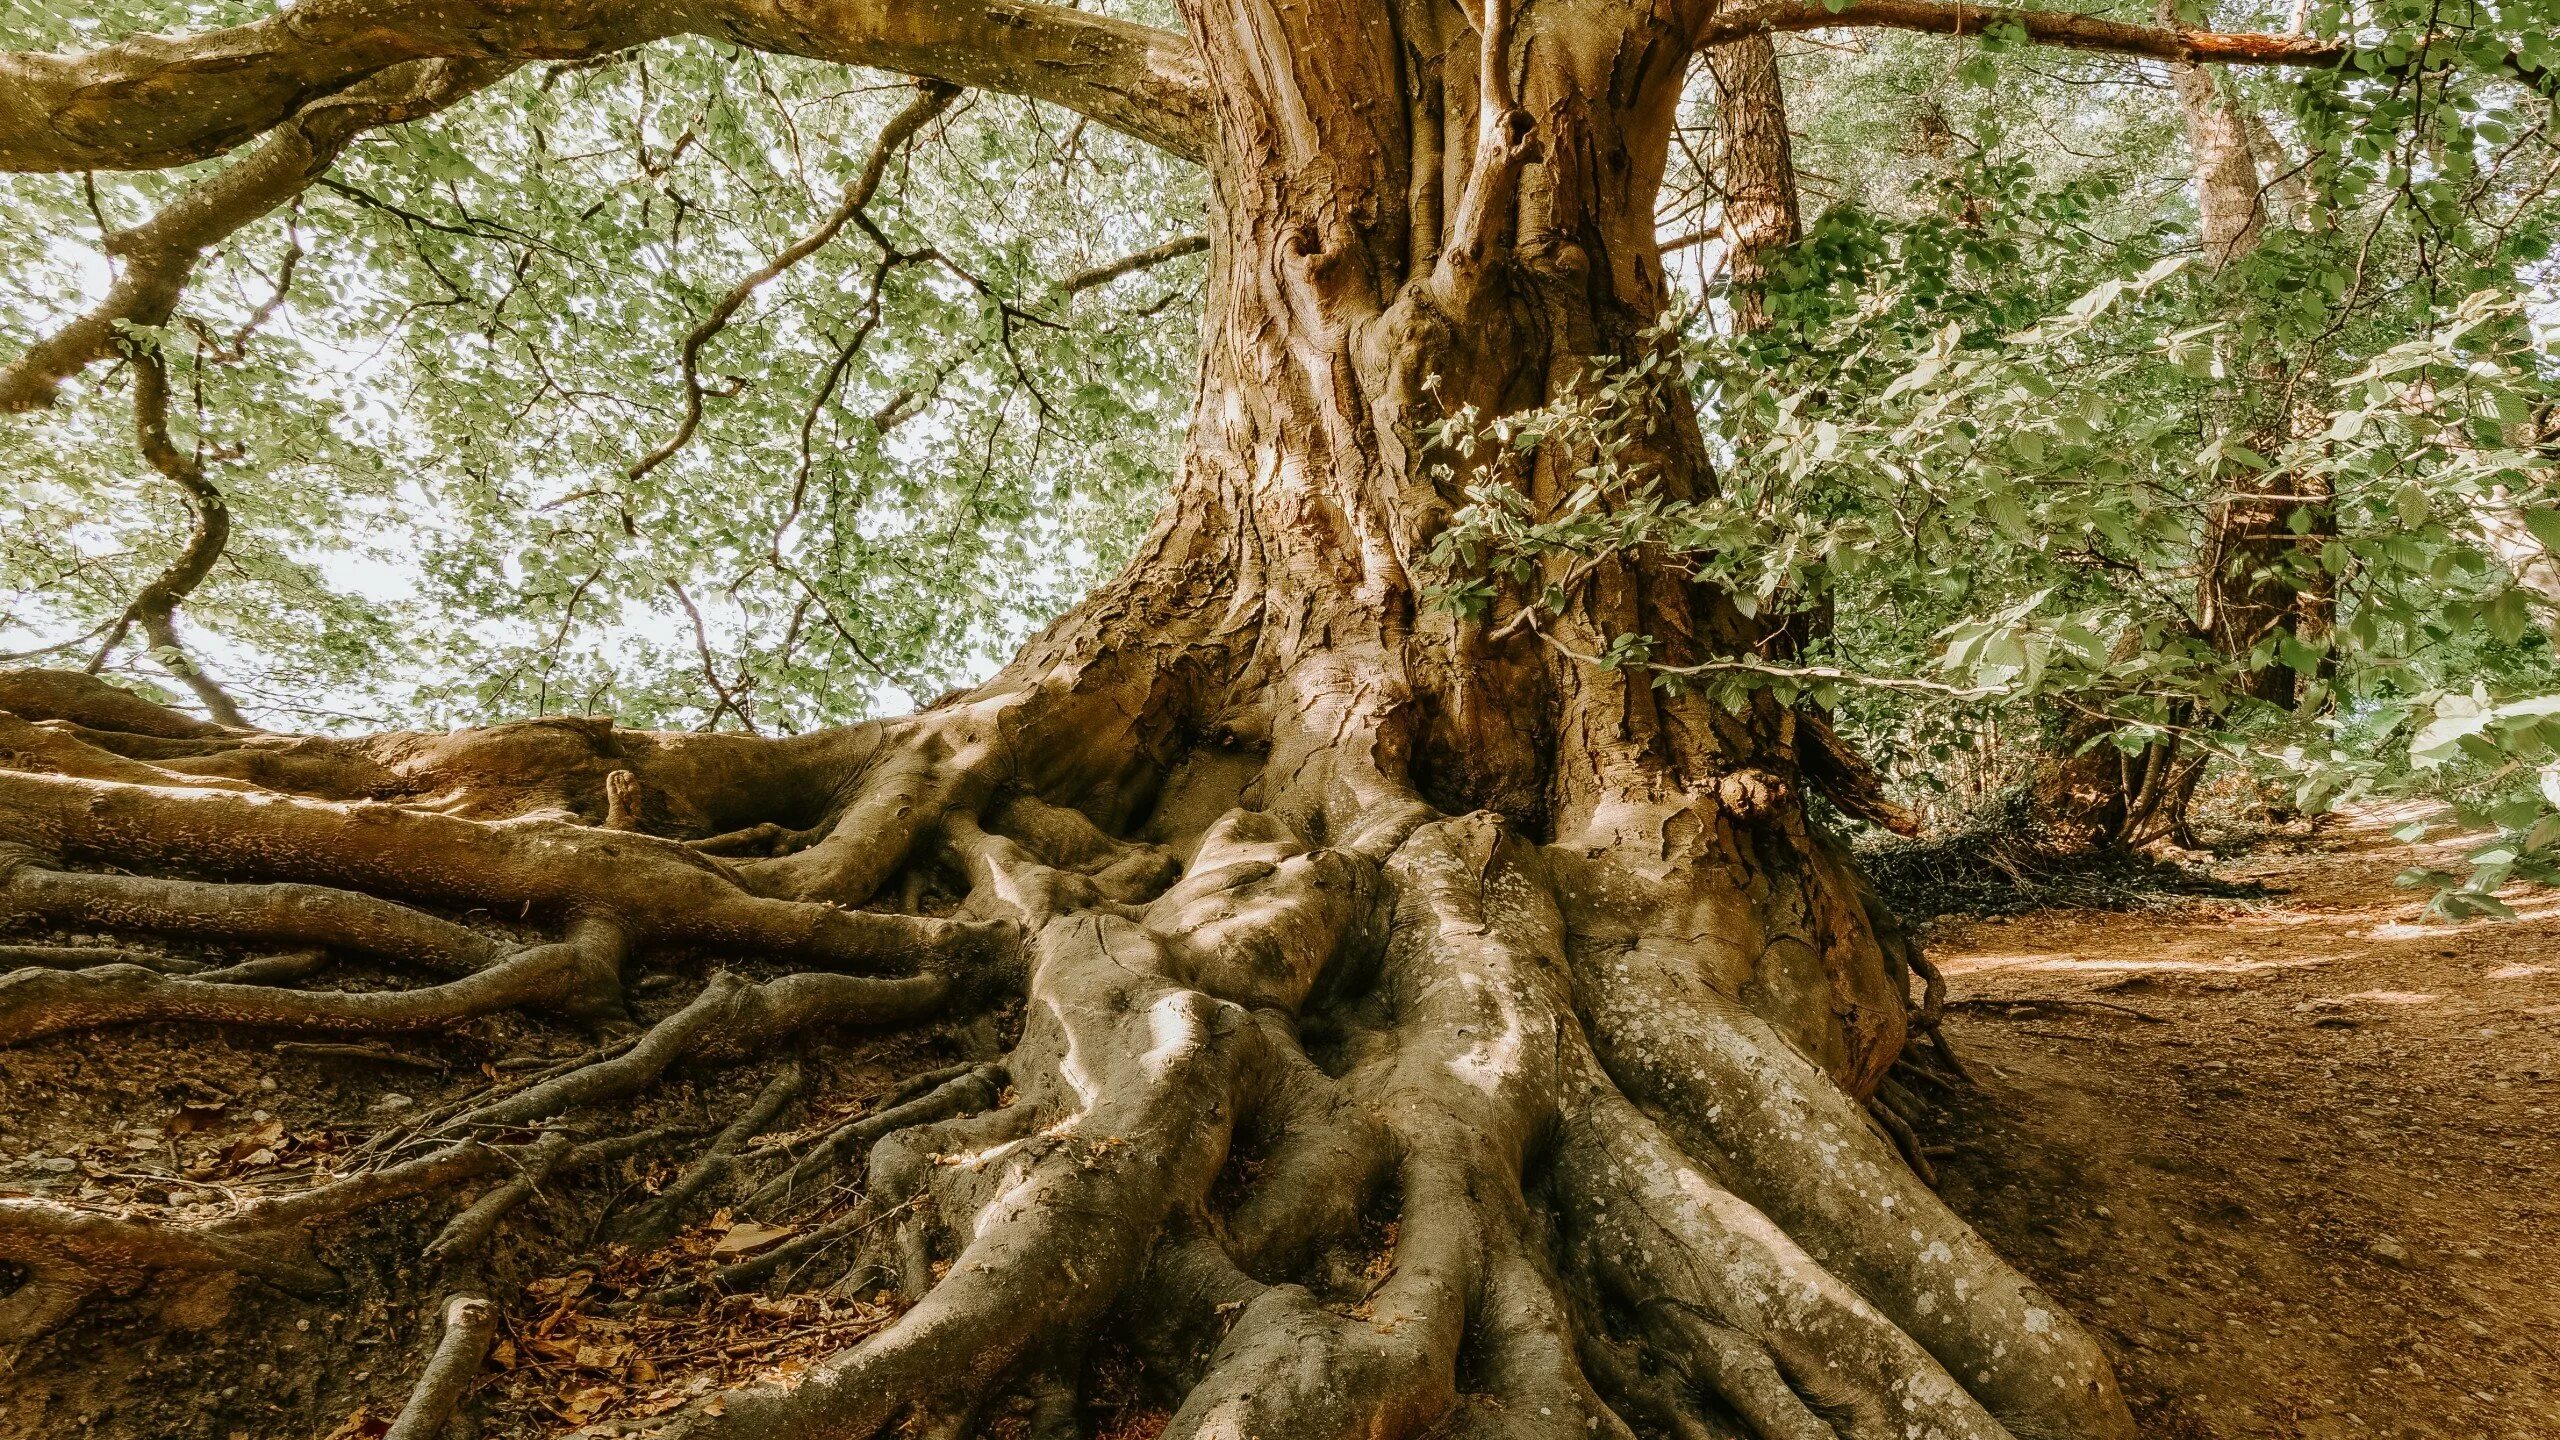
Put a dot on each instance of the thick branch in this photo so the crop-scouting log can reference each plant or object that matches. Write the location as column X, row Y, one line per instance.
column 1146, row 259
column 156, row 101
column 158, row 255
column 155, row 609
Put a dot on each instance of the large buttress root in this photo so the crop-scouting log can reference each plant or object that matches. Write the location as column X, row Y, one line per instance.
column 1428, row 1129
column 1722, row 1081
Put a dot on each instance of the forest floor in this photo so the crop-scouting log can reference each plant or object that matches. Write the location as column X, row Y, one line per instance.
column 2315, row 1194
column 2295, row 1160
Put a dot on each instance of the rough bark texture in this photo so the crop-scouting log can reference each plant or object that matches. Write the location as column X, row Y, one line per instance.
column 1757, row 167
column 1419, row 1031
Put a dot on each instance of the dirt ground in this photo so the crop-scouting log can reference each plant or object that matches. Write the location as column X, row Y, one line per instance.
column 2312, row 1195
column 2302, row 1183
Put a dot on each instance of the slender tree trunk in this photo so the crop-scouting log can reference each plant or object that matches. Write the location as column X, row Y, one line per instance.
column 2258, row 575
column 1762, row 215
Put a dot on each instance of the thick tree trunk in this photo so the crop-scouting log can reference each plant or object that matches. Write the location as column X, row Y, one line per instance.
column 1329, row 907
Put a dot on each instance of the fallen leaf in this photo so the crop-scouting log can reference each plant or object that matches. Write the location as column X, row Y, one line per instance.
column 579, row 1408
column 562, row 1286
column 749, row 1237
column 362, row 1425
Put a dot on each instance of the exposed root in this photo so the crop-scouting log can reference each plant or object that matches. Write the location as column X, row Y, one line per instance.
column 581, row 975
column 61, row 1242
column 470, row 1324
column 262, row 914
column 1906, row 1141
column 790, row 1259
column 1804, row 1153
column 653, row 1223
column 555, row 1154
column 470, row 1229
column 89, row 957
column 731, row 1017
column 1766, row 1326
column 1344, row 1119
column 661, row 892
column 973, row 1088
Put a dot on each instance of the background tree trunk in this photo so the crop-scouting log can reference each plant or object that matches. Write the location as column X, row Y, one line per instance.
column 2258, row 575
column 1761, row 211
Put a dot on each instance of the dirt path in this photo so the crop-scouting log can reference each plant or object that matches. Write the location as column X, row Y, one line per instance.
column 2312, row 1195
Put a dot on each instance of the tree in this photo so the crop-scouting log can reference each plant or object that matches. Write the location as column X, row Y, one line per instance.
column 1326, row 904
column 2259, row 582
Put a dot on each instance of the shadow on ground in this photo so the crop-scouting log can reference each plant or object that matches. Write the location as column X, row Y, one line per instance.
column 2294, row 1160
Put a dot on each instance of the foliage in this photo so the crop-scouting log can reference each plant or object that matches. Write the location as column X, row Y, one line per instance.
column 1991, row 479
column 1982, row 439
column 428, row 440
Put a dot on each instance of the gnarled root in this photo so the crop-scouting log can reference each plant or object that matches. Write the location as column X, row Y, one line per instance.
column 1334, row 1116
column 580, row 975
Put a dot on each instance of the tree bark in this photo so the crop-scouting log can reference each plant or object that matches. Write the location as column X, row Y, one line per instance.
column 2258, row 577
column 1761, row 212
column 1327, row 905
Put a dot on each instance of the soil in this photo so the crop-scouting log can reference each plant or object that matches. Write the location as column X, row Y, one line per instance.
column 2305, row 1182
column 183, row 1121
column 2313, row 1196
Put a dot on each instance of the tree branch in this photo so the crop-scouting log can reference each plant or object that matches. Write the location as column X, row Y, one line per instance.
column 157, row 101
column 933, row 97
column 160, row 254
column 2044, row 27
column 155, row 609
column 1146, row 259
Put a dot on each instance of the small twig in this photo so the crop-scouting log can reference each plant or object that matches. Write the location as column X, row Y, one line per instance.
column 269, row 969
column 345, row 1050
column 974, row 1088
column 659, row 1218
column 469, row 1230
column 555, row 1154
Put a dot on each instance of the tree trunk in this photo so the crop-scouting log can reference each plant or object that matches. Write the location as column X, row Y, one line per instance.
column 2258, row 577
column 1330, row 908
column 1762, row 215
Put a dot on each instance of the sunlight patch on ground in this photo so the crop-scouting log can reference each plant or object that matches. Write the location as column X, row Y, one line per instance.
column 2399, row 930
column 2074, row 964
